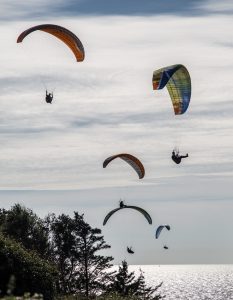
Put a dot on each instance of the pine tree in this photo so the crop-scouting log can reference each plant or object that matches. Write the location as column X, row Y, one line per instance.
column 126, row 284
column 76, row 244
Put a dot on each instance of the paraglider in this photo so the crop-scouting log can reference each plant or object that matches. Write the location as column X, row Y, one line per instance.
column 122, row 206
column 131, row 160
column 129, row 250
column 160, row 228
column 176, row 157
column 49, row 97
column 63, row 34
column 177, row 80
column 66, row 36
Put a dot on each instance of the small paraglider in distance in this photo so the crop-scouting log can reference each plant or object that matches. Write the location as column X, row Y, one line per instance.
column 133, row 161
column 129, row 250
column 49, row 97
column 176, row 157
column 160, row 228
column 122, row 206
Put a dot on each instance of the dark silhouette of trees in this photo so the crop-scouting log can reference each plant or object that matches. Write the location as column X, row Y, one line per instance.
column 31, row 273
column 76, row 245
column 22, row 225
column 60, row 255
column 127, row 285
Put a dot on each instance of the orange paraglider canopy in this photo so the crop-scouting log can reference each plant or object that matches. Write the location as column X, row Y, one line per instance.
column 133, row 161
column 66, row 36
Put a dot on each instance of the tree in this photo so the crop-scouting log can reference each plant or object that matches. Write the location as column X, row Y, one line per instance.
column 76, row 245
column 30, row 272
column 126, row 284
column 22, row 225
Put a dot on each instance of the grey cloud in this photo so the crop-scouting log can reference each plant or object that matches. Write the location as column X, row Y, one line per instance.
column 42, row 9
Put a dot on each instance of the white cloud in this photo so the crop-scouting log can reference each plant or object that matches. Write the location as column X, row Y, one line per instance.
column 106, row 105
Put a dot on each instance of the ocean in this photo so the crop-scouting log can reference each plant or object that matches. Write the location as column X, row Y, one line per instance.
column 190, row 282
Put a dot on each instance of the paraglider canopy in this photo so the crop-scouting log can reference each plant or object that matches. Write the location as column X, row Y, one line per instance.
column 131, row 160
column 160, row 228
column 65, row 35
column 178, row 82
column 123, row 206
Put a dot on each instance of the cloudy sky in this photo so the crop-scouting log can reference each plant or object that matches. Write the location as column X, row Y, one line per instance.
column 51, row 155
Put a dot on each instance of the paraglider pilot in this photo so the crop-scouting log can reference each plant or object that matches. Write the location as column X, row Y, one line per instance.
column 177, row 158
column 122, row 205
column 129, row 250
column 49, row 97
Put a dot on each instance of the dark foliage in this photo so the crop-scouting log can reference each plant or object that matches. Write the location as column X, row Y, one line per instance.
column 126, row 284
column 30, row 248
column 22, row 225
column 25, row 270
column 81, row 269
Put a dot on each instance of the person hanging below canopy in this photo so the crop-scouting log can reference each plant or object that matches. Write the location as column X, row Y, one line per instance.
column 129, row 250
column 121, row 204
column 165, row 247
column 49, row 97
column 176, row 157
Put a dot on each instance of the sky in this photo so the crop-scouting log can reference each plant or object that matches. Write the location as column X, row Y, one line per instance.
column 51, row 155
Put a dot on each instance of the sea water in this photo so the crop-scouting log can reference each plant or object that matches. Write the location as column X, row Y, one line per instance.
column 190, row 282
